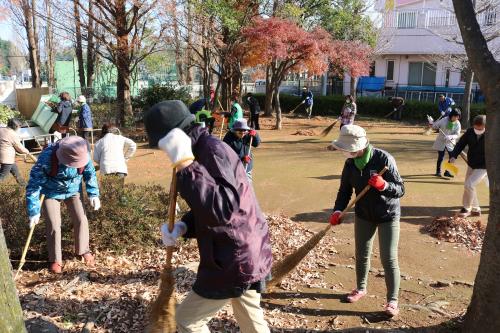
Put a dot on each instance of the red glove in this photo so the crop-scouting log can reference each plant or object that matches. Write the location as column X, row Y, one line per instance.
column 376, row 181
column 247, row 159
column 252, row 132
column 335, row 217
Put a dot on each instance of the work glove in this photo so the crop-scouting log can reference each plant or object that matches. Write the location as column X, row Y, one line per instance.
column 95, row 202
column 376, row 181
column 177, row 145
column 170, row 238
column 449, row 138
column 247, row 159
column 452, row 160
column 34, row 220
column 303, row 102
column 335, row 218
column 443, row 113
column 252, row 132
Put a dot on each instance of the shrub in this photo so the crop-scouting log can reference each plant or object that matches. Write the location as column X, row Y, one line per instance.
column 129, row 219
column 156, row 93
column 6, row 113
column 367, row 106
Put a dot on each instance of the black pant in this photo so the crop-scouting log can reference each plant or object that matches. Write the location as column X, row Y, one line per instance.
column 440, row 159
column 398, row 113
column 254, row 121
column 5, row 169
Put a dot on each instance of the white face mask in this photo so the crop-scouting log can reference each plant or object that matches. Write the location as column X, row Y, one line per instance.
column 349, row 155
column 479, row 132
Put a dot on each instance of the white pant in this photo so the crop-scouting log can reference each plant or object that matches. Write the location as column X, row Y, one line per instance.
column 193, row 314
column 472, row 178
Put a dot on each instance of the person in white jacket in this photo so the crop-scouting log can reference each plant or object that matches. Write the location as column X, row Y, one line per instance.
column 113, row 151
column 449, row 130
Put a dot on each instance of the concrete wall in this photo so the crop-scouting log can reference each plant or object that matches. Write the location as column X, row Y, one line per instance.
column 401, row 70
column 8, row 93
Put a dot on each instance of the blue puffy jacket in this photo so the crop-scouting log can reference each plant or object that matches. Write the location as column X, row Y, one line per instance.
column 445, row 106
column 67, row 182
column 85, row 117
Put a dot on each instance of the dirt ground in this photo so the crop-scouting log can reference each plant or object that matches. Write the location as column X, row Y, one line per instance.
column 296, row 176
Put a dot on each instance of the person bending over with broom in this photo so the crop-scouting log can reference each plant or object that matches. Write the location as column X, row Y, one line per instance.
column 58, row 174
column 378, row 210
column 476, row 170
column 225, row 219
column 449, row 130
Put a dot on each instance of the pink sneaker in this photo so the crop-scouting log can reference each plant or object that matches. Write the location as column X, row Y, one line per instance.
column 392, row 309
column 55, row 267
column 89, row 260
column 355, row 295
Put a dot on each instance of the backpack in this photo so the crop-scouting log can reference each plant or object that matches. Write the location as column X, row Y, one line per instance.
column 54, row 164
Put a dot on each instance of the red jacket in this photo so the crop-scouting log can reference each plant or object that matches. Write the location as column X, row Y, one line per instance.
column 225, row 219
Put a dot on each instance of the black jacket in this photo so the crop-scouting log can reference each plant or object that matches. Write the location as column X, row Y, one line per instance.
column 475, row 154
column 241, row 146
column 375, row 206
column 253, row 104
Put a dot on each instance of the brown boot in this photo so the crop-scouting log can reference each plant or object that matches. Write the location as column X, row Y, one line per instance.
column 55, row 267
column 89, row 260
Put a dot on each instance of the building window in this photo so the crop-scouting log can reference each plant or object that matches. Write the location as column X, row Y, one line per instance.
column 390, row 70
column 422, row 74
column 407, row 20
column 372, row 69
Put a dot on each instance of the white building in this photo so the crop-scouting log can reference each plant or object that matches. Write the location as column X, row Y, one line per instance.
column 416, row 52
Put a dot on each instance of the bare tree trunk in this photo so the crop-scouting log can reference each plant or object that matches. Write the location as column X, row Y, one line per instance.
column 35, row 33
column 179, row 63
column 268, row 104
column 189, row 58
column 51, row 52
column 469, row 78
column 91, row 52
column 277, row 105
column 11, row 314
column 353, row 86
column 78, row 46
column 32, row 45
column 483, row 312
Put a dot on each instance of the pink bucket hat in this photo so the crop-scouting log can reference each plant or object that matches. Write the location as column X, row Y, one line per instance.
column 73, row 152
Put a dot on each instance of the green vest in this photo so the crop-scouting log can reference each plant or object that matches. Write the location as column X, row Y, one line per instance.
column 237, row 115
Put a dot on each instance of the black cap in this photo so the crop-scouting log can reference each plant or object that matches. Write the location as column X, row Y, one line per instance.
column 165, row 116
column 455, row 112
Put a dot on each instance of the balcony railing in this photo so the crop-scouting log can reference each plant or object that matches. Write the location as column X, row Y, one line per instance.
column 432, row 18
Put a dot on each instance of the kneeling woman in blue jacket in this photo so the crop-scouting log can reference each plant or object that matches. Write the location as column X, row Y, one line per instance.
column 378, row 210
column 58, row 175
column 225, row 218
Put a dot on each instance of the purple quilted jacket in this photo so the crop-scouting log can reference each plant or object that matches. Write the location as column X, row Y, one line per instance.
column 225, row 219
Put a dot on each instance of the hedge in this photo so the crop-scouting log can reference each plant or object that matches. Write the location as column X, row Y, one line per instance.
column 367, row 106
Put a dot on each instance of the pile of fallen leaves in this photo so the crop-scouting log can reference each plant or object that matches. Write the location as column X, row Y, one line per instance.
column 305, row 133
column 458, row 230
column 115, row 295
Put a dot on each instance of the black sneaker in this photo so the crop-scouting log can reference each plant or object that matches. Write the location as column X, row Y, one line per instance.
column 448, row 174
column 464, row 213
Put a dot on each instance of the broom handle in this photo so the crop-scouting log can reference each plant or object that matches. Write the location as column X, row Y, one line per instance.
column 249, row 151
column 462, row 154
column 361, row 194
column 171, row 213
column 223, row 118
column 295, row 108
column 26, row 246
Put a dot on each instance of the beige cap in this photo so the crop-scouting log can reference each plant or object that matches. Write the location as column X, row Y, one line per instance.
column 352, row 138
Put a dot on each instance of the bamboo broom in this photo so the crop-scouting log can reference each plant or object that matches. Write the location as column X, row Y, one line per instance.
column 327, row 130
column 287, row 264
column 162, row 318
column 26, row 246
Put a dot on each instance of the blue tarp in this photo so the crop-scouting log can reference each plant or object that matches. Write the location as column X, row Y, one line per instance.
column 371, row 83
